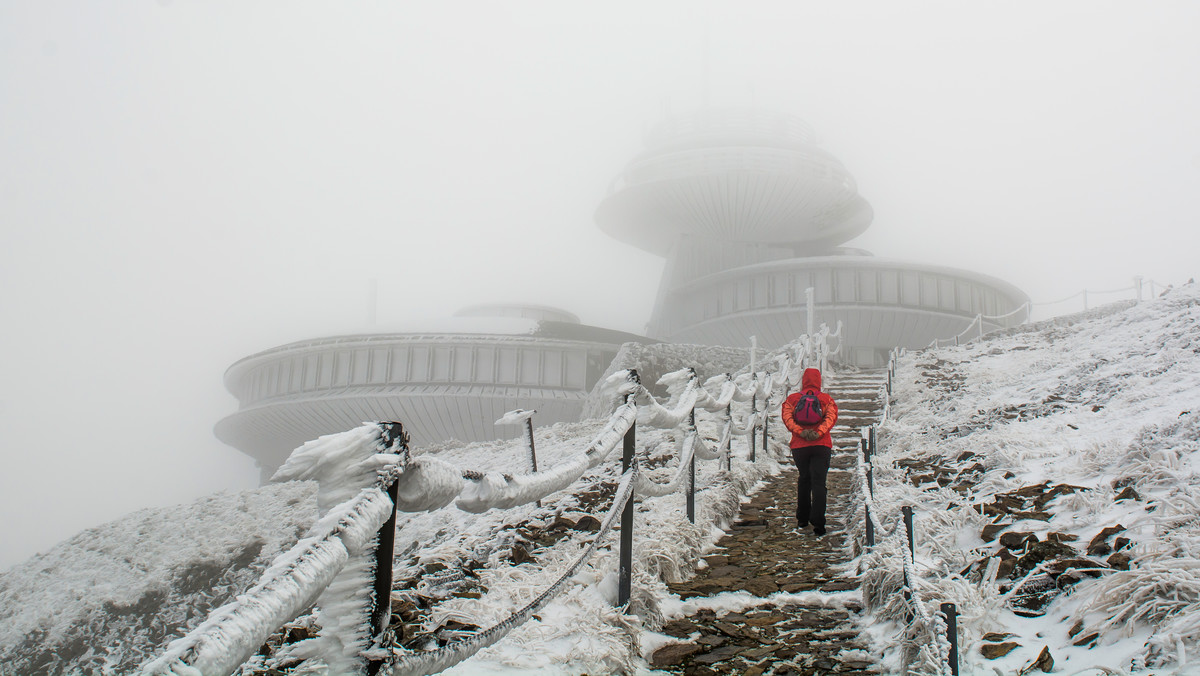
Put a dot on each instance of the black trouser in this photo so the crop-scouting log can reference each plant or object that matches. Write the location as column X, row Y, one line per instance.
column 813, row 463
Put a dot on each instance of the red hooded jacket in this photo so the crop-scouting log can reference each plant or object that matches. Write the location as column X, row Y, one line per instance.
column 811, row 381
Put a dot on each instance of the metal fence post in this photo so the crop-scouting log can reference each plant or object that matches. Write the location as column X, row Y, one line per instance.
column 753, row 414
column 870, row 528
column 951, row 613
column 691, row 492
column 908, row 582
column 626, row 555
column 532, row 453
column 766, row 420
column 871, row 437
column 393, row 439
column 908, row 526
column 729, row 439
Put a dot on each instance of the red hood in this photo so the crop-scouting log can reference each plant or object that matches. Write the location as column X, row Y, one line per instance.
column 811, row 380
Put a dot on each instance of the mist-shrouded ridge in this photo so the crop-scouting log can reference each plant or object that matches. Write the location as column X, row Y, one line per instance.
column 112, row 596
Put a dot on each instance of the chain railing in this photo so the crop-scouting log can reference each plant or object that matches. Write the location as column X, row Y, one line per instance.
column 364, row 476
column 942, row 627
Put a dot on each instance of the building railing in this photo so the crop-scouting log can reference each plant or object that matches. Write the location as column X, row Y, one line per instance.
column 365, row 475
column 1086, row 301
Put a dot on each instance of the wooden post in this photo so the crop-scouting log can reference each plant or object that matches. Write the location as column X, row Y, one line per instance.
column 625, row 574
column 753, row 413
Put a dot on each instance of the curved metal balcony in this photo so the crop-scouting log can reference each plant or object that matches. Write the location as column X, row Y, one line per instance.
column 881, row 304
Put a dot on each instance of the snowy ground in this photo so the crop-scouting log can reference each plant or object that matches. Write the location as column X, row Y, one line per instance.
column 1102, row 402
column 1107, row 401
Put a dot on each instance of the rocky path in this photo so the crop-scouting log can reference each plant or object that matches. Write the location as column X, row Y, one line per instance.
column 762, row 555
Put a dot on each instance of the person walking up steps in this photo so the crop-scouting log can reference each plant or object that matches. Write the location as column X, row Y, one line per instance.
column 810, row 414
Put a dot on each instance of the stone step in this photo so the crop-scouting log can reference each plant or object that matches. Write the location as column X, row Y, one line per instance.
column 760, row 554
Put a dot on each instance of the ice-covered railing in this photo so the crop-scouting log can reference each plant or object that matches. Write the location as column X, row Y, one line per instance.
column 357, row 505
column 930, row 636
column 365, row 475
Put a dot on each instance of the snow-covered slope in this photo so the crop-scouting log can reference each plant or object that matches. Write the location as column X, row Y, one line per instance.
column 1054, row 471
column 114, row 596
column 1023, row 453
column 108, row 598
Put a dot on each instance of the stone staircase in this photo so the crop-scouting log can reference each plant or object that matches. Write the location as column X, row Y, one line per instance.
column 760, row 554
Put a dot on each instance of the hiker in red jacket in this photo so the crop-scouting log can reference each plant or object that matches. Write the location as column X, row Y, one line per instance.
column 811, row 446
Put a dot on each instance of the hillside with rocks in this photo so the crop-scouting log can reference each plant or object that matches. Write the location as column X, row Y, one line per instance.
column 1053, row 470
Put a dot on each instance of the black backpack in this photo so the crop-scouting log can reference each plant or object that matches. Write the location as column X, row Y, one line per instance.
column 808, row 409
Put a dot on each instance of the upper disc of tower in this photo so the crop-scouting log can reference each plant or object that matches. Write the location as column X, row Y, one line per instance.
column 734, row 175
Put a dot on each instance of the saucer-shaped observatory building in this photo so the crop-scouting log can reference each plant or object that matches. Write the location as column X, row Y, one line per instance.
column 750, row 213
column 444, row 381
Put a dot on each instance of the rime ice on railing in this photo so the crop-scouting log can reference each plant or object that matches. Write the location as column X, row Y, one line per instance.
column 353, row 469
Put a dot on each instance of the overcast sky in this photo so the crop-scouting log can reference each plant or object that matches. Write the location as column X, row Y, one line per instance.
column 186, row 183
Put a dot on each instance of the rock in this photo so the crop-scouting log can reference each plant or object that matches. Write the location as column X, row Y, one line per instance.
column 1127, row 494
column 994, row 650
column 712, row 640
column 718, row 655
column 991, row 530
column 1034, row 594
column 996, row 636
column 1030, row 491
column 1033, row 516
column 758, row 653
column 728, row 629
column 1042, row 551
column 1008, row 563
column 1120, row 543
column 1119, row 560
column 761, row 587
column 1085, row 566
column 767, row 620
column 1075, row 628
column 1099, row 544
column 1044, row 662
column 521, row 555
column 1017, row 539
column 679, row 628
column 588, row 523
column 673, row 653
column 1086, row 640
column 1061, row 537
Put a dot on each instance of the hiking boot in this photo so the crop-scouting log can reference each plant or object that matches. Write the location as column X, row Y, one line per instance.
column 818, row 530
